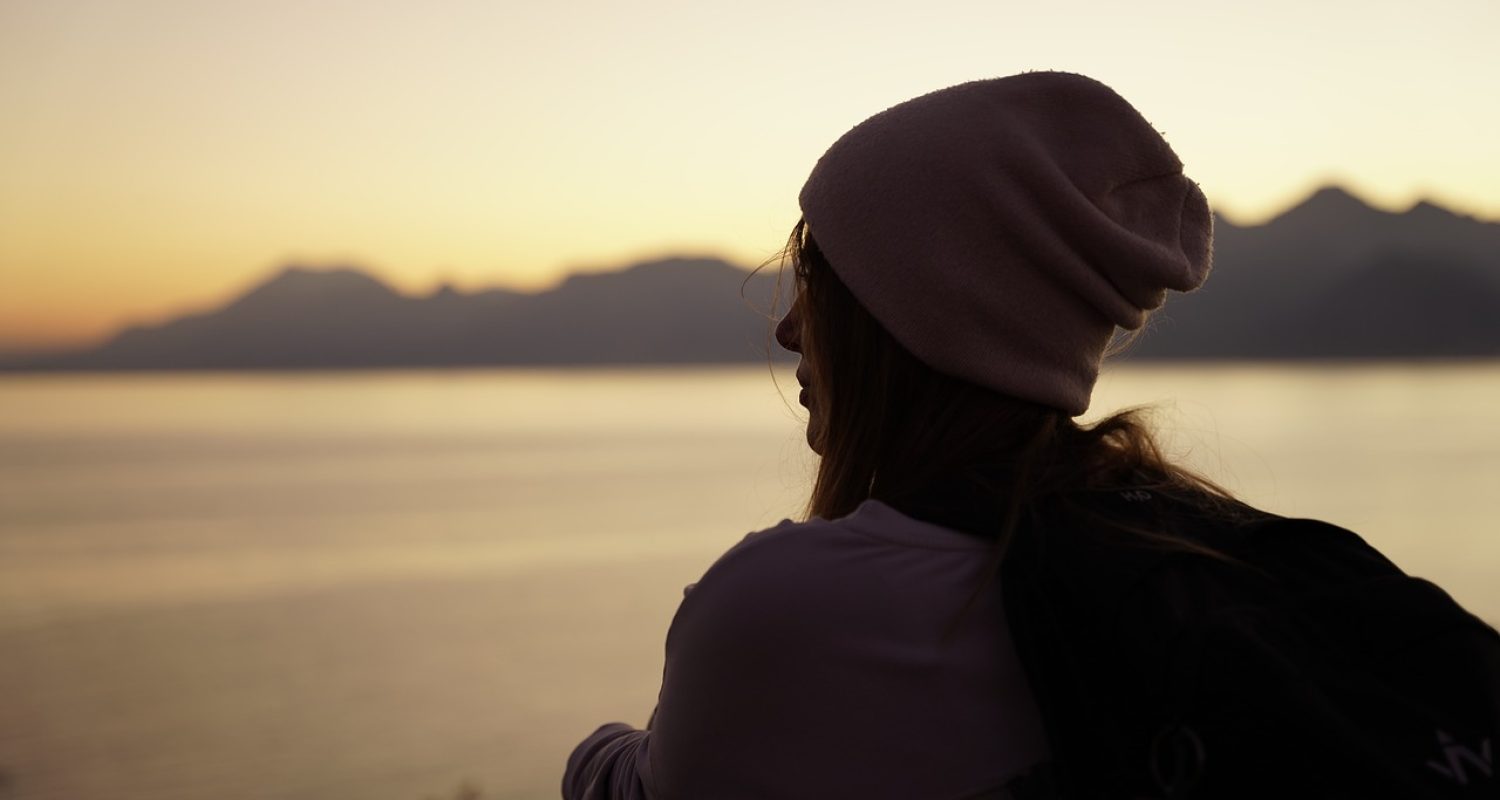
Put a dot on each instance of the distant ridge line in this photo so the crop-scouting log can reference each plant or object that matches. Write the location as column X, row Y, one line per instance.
column 1331, row 278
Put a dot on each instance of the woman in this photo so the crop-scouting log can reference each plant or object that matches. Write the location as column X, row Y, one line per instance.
column 963, row 263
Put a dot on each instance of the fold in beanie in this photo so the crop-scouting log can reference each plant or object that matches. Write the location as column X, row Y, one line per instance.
column 1000, row 230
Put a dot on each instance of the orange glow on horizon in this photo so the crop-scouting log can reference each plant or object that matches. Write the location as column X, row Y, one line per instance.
column 160, row 156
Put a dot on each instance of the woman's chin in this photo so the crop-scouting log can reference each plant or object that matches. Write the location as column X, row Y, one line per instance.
column 814, row 438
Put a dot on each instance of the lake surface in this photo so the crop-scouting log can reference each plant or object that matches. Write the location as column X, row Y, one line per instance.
column 383, row 585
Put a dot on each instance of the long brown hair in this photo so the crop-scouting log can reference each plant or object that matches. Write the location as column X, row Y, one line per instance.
column 892, row 425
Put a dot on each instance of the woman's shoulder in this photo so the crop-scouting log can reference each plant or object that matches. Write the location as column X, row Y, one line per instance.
column 802, row 573
column 800, row 546
column 809, row 661
column 874, row 524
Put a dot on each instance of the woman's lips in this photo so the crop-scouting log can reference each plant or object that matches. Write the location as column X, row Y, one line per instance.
column 802, row 398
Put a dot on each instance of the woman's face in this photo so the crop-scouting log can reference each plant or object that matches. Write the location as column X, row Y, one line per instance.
column 789, row 333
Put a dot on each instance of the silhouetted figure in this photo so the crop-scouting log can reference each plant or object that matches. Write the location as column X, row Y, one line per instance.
column 988, row 599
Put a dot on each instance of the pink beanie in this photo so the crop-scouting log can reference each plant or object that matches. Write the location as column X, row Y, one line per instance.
column 1001, row 229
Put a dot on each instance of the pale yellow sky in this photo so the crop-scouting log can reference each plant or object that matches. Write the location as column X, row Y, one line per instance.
column 158, row 156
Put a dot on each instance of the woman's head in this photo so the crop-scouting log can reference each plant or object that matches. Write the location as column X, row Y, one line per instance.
column 1002, row 230
column 963, row 262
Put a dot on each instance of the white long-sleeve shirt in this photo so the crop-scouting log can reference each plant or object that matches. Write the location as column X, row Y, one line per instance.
column 809, row 662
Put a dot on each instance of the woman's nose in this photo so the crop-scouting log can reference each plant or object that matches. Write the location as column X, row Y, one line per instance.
column 788, row 330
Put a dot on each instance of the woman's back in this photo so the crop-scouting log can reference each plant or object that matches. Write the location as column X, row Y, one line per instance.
column 816, row 660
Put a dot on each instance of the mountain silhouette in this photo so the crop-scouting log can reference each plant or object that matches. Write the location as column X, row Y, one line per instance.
column 1375, row 313
column 676, row 310
column 1333, row 277
column 1329, row 278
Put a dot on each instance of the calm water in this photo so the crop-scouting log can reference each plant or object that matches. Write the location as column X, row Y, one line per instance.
column 382, row 585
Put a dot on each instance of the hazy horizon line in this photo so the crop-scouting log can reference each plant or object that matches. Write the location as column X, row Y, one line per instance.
column 10, row 348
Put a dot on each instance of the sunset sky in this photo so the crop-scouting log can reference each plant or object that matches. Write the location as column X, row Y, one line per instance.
column 159, row 156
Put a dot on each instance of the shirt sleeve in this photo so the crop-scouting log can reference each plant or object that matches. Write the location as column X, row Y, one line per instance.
column 744, row 666
column 609, row 765
column 718, row 713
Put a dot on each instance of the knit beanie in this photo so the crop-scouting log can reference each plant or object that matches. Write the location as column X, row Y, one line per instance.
column 1001, row 229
